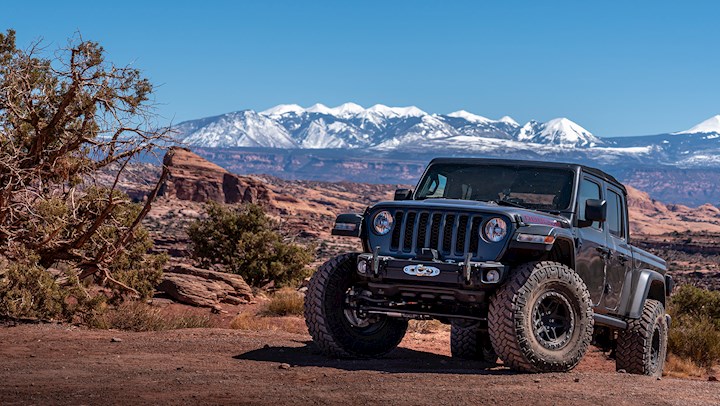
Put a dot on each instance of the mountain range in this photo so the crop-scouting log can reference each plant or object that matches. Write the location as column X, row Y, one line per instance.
column 409, row 129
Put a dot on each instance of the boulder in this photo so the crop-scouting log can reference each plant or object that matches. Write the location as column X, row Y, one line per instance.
column 202, row 287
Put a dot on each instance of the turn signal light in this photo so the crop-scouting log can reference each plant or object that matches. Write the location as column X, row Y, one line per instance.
column 537, row 239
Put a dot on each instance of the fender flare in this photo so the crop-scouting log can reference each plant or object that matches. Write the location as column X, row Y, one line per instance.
column 649, row 285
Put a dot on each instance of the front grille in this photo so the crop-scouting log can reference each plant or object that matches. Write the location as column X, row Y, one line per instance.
column 451, row 234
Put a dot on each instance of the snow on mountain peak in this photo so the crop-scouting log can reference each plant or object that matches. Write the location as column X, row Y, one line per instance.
column 473, row 118
column 509, row 120
column 558, row 131
column 711, row 125
column 281, row 109
column 410, row 111
column 319, row 108
column 347, row 110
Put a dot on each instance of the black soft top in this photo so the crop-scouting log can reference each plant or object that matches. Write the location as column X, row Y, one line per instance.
column 516, row 162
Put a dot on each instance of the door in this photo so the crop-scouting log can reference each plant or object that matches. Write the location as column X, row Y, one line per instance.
column 620, row 259
column 592, row 251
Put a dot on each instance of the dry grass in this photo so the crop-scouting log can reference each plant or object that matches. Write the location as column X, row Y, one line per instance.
column 426, row 326
column 676, row 367
column 284, row 302
column 257, row 322
column 140, row 316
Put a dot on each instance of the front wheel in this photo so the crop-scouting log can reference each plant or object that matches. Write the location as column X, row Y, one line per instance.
column 541, row 319
column 642, row 348
column 335, row 325
column 469, row 341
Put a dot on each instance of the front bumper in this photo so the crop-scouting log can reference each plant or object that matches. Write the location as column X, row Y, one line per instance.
column 465, row 275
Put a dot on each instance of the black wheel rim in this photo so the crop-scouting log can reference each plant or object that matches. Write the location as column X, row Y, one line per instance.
column 655, row 349
column 553, row 320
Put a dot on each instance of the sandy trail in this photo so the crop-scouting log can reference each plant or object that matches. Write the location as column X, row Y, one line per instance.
column 59, row 364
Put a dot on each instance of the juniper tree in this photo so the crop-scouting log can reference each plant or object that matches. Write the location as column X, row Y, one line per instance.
column 66, row 117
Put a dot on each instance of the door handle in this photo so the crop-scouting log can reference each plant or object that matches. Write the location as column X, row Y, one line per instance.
column 603, row 250
column 623, row 258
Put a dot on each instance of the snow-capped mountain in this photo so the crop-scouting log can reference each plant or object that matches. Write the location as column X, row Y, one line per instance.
column 559, row 131
column 346, row 126
column 383, row 129
column 709, row 126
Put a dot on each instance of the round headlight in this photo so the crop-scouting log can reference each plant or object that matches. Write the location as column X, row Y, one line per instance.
column 383, row 222
column 495, row 229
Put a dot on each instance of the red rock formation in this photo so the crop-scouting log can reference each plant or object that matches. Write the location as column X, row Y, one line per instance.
column 194, row 178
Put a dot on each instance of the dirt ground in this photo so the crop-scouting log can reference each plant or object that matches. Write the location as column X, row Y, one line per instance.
column 61, row 364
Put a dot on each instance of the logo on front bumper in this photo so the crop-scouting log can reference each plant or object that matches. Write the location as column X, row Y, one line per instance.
column 421, row 270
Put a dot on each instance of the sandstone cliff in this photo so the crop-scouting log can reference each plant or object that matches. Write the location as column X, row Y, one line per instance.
column 196, row 179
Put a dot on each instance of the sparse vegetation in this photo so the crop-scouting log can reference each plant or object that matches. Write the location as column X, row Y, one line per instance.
column 427, row 326
column 677, row 367
column 695, row 332
column 140, row 316
column 285, row 302
column 256, row 322
column 247, row 242
column 66, row 122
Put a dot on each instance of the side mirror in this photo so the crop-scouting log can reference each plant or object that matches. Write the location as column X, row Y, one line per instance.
column 595, row 210
column 403, row 194
column 347, row 225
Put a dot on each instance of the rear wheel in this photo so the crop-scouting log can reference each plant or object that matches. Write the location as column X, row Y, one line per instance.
column 541, row 319
column 469, row 341
column 333, row 322
column 642, row 348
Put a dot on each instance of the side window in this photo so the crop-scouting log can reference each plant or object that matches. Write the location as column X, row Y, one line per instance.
column 588, row 190
column 615, row 219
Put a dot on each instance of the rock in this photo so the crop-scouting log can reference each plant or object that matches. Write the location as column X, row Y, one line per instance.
column 284, row 366
column 201, row 287
column 621, row 371
column 576, row 380
column 712, row 378
column 116, row 340
column 536, row 381
column 194, row 178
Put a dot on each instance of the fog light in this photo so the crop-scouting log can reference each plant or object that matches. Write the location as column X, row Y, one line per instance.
column 492, row 276
column 362, row 267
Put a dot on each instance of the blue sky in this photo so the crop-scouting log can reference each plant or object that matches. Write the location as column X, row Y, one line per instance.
column 616, row 68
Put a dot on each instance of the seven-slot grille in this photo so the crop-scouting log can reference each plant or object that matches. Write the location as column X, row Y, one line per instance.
column 450, row 233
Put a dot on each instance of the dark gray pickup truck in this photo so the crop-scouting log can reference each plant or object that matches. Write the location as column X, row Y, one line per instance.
column 528, row 261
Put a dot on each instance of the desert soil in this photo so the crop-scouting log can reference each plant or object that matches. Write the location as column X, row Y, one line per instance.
column 61, row 364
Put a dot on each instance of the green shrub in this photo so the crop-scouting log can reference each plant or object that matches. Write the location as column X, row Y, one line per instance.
column 695, row 330
column 693, row 301
column 247, row 242
column 29, row 291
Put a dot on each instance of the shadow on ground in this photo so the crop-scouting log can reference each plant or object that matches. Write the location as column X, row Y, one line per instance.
column 400, row 360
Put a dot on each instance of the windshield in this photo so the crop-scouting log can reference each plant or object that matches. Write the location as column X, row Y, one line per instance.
column 531, row 187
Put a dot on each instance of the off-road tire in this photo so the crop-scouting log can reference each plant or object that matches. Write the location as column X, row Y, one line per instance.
column 512, row 311
column 469, row 341
column 326, row 321
column 642, row 348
